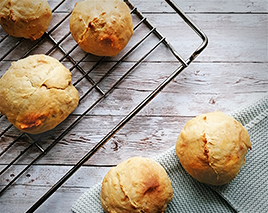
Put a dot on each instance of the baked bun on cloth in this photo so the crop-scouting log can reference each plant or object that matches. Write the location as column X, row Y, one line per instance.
column 212, row 147
column 36, row 93
column 25, row 18
column 136, row 185
column 101, row 27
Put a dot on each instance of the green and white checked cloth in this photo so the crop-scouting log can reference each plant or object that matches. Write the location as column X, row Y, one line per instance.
column 248, row 192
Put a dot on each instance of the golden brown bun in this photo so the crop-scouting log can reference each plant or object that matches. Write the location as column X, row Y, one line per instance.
column 212, row 147
column 36, row 93
column 25, row 18
column 136, row 185
column 101, row 27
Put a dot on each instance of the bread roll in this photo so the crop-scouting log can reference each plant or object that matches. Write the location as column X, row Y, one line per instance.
column 136, row 185
column 101, row 27
column 36, row 93
column 25, row 18
column 212, row 148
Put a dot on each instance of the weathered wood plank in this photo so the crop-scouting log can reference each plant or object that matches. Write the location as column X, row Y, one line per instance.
column 230, row 73
column 142, row 136
column 231, row 38
column 47, row 175
column 204, row 6
column 38, row 180
column 22, row 197
column 188, row 6
column 210, row 87
column 227, row 84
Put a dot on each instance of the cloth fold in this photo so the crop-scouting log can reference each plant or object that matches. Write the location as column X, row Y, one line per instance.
column 248, row 192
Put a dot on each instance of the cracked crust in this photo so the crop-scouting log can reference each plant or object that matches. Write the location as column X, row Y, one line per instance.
column 136, row 185
column 36, row 93
column 101, row 27
column 25, row 18
column 212, row 147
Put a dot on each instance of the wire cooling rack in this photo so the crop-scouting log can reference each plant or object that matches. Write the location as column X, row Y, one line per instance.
column 94, row 79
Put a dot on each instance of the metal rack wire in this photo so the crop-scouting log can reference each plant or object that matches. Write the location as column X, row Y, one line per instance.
column 68, row 55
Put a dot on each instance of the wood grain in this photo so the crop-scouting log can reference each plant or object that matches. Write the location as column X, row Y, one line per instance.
column 231, row 73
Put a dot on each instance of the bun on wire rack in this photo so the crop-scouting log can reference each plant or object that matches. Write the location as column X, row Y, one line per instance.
column 101, row 27
column 25, row 18
column 36, row 93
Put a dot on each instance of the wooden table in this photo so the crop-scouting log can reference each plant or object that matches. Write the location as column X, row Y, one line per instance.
column 230, row 73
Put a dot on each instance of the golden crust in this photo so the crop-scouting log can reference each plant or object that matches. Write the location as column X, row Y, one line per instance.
column 36, row 93
column 25, row 18
column 212, row 147
column 136, row 185
column 101, row 27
